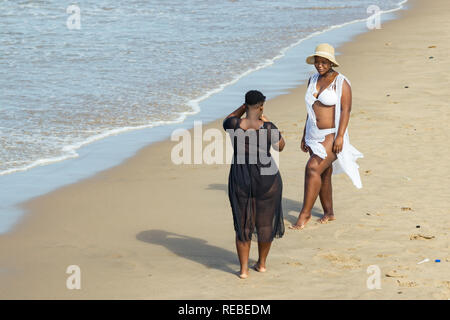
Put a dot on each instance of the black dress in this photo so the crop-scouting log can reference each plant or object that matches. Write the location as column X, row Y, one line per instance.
column 255, row 187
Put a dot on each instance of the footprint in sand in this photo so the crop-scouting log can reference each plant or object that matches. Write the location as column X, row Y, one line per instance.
column 421, row 237
column 345, row 261
column 407, row 284
column 294, row 263
column 394, row 274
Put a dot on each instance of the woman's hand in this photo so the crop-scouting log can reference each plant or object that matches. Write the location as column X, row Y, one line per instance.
column 238, row 112
column 263, row 118
column 338, row 144
column 303, row 145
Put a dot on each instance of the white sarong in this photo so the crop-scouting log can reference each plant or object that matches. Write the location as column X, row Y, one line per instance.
column 346, row 159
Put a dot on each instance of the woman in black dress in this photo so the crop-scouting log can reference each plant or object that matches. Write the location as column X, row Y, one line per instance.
column 254, row 183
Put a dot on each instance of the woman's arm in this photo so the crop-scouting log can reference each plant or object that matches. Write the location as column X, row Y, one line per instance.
column 280, row 145
column 238, row 112
column 304, row 129
column 303, row 145
column 346, row 107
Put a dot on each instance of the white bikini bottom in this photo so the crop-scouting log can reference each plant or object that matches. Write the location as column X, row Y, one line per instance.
column 327, row 131
column 313, row 138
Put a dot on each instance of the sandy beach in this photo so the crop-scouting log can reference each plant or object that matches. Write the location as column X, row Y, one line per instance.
column 150, row 229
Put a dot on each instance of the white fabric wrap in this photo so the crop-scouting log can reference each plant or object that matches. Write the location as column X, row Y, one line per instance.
column 346, row 159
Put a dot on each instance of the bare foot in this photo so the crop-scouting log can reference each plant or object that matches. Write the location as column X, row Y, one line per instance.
column 243, row 274
column 301, row 222
column 327, row 217
column 258, row 268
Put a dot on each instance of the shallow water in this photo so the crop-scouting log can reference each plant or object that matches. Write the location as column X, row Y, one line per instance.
column 133, row 64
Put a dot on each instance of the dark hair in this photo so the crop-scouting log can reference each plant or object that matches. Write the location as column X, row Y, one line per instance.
column 254, row 97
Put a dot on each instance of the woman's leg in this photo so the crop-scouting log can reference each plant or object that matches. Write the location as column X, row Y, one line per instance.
column 313, row 180
column 243, row 250
column 263, row 251
column 326, row 196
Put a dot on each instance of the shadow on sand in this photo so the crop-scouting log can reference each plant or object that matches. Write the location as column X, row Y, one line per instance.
column 194, row 249
column 288, row 204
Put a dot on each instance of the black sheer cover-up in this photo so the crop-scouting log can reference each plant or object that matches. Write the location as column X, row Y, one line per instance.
column 255, row 196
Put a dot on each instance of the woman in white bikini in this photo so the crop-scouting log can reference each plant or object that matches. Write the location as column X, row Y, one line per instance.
column 328, row 102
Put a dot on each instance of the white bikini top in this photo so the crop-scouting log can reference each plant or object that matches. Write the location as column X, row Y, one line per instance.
column 328, row 96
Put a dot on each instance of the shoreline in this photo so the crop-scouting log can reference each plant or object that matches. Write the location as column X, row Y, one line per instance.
column 275, row 77
column 193, row 103
column 132, row 228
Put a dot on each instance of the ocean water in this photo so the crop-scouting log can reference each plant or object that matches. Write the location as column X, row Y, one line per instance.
column 134, row 64
column 98, row 151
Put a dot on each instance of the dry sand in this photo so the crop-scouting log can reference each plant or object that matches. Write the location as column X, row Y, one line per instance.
column 149, row 229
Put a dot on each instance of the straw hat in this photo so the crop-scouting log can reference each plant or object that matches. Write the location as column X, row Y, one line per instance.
column 323, row 50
